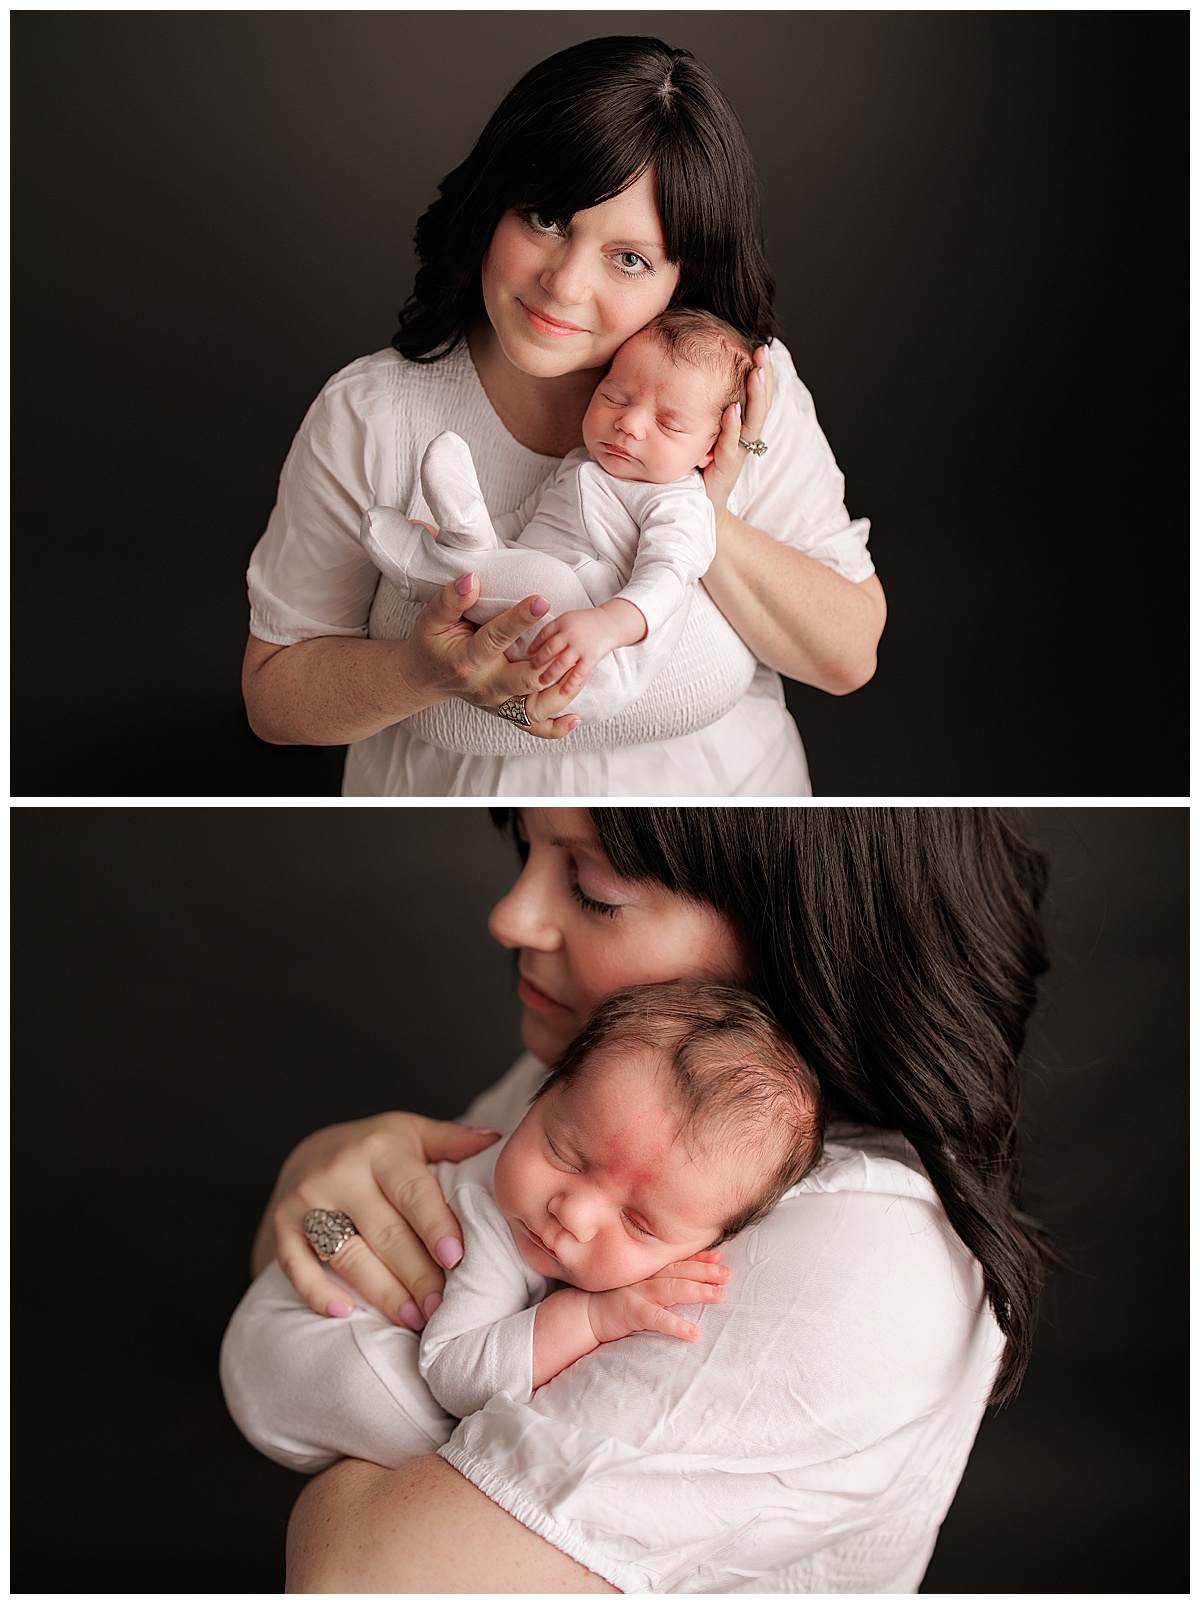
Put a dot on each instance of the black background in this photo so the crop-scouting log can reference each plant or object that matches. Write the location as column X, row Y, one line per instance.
column 195, row 989
column 979, row 226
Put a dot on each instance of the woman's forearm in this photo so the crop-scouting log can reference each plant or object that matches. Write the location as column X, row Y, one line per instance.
column 420, row 1529
column 795, row 614
column 329, row 691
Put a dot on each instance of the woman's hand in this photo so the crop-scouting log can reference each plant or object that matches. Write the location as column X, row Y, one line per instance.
column 376, row 1171
column 469, row 662
column 728, row 456
column 334, row 688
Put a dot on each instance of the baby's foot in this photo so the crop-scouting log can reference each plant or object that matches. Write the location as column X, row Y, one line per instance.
column 455, row 499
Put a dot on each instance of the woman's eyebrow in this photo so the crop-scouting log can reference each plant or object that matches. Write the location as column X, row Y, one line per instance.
column 573, row 843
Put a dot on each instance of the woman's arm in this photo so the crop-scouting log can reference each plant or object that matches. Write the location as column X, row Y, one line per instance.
column 335, row 688
column 420, row 1529
column 795, row 614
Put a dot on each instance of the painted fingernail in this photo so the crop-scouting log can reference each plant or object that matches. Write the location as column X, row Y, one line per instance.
column 574, row 725
column 339, row 1310
column 463, row 585
column 767, row 352
column 761, row 374
column 432, row 1304
column 449, row 1250
column 737, row 411
column 539, row 606
column 412, row 1317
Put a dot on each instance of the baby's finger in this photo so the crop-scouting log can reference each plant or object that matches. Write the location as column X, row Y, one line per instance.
column 681, row 1289
column 671, row 1325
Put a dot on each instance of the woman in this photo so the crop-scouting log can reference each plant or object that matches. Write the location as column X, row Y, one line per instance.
column 613, row 181
column 814, row 1441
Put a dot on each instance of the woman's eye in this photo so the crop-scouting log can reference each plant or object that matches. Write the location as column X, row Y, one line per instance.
column 633, row 265
column 540, row 224
column 592, row 905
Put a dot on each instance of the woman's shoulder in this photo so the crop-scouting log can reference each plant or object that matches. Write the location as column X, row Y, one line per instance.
column 385, row 379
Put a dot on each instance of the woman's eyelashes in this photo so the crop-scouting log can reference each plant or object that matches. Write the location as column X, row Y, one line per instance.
column 624, row 259
column 631, row 264
column 592, row 904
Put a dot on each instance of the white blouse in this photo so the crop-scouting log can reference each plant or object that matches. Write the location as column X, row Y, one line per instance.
column 809, row 1442
column 713, row 723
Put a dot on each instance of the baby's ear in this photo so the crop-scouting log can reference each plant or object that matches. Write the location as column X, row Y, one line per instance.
column 705, row 460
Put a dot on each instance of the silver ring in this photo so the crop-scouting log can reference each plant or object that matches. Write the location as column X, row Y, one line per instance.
column 328, row 1231
column 757, row 446
column 513, row 709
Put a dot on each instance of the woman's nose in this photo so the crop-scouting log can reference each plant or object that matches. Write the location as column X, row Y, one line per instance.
column 522, row 918
column 565, row 279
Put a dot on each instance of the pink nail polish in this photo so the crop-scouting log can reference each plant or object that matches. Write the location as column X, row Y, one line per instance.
column 767, row 352
column 449, row 1250
column 574, row 725
column 539, row 607
column 463, row 585
column 432, row 1304
column 762, row 375
column 339, row 1310
column 412, row 1317
column 737, row 411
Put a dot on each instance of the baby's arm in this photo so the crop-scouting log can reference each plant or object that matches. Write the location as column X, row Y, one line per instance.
column 571, row 1323
column 480, row 1339
column 584, row 638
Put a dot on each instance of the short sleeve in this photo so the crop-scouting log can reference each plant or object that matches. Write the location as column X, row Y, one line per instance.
column 832, row 1397
column 309, row 575
column 795, row 492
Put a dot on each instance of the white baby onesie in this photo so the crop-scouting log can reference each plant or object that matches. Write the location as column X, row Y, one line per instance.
column 479, row 1342
column 581, row 539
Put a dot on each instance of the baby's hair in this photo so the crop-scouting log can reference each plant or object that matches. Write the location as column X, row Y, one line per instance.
column 687, row 334
column 735, row 1071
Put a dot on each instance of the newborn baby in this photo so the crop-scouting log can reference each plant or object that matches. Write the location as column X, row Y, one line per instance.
column 619, row 536
column 679, row 1116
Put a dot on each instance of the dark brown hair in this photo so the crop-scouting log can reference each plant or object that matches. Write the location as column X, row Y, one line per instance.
column 899, row 948
column 699, row 338
column 577, row 129
column 738, row 1079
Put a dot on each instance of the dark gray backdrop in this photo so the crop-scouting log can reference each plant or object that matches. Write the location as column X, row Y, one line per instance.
column 979, row 226
column 195, row 989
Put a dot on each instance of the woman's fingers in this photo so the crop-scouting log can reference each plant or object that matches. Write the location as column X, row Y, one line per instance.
column 418, row 1202
column 356, row 1262
column 760, row 389
column 493, row 639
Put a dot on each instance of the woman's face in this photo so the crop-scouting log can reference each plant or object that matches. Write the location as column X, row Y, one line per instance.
column 582, row 932
column 561, row 300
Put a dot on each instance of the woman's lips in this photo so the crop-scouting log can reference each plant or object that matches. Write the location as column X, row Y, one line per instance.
column 534, row 997
column 545, row 324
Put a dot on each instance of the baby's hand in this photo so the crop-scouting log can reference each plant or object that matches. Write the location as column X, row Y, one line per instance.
column 580, row 639
column 644, row 1306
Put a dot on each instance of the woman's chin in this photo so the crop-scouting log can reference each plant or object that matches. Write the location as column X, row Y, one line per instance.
column 541, row 1038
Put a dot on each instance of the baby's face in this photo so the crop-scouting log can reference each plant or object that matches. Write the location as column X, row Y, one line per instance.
column 652, row 419
column 597, row 1184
